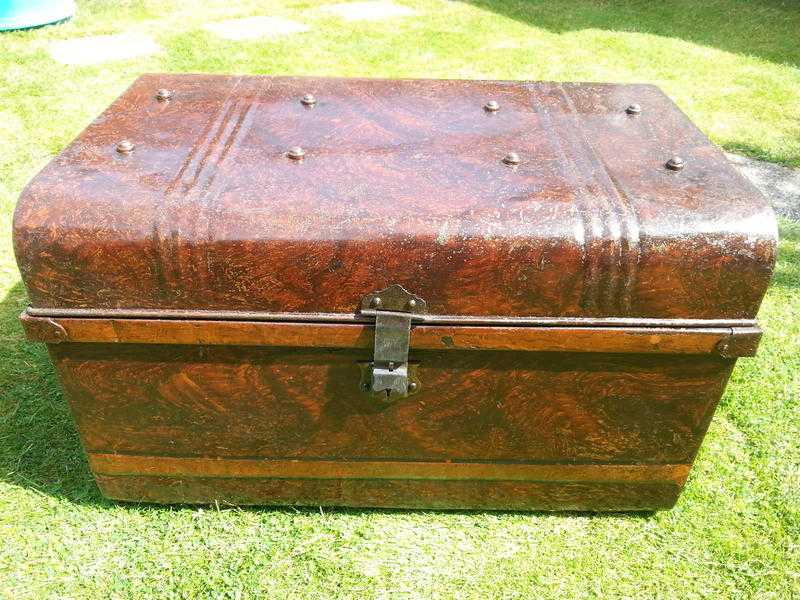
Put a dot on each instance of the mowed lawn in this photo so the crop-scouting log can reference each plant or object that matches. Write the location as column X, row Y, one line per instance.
column 732, row 66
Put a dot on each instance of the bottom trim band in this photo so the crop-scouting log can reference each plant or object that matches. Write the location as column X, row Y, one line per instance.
column 132, row 465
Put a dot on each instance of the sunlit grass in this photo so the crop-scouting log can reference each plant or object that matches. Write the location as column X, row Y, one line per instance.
column 735, row 533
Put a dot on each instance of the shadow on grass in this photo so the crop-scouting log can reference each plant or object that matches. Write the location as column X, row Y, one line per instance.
column 39, row 447
column 766, row 29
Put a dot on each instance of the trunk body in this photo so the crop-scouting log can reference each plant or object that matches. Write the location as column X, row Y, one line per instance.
column 229, row 324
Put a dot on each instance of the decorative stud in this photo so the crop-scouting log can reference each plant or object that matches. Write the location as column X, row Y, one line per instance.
column 634, row 109
column 412, row 303
column 492, row 106
column 296, row 153
column 412, row 386
column 308, row 100
column 376, row 301
column 512, row 158
column 125, row 147
column 163, row 95
column 676, row 163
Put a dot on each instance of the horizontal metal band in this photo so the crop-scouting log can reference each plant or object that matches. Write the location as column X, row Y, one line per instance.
column 165, row 466
column 290, row 317
column 725, row 341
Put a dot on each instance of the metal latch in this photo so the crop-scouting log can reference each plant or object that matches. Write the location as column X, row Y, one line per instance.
column 389, row 374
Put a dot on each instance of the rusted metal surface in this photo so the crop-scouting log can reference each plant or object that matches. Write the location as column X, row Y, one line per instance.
column 400, row 182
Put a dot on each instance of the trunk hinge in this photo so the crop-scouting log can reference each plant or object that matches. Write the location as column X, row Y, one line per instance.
column 43, row 329
column 742, row 341
column 389, row 375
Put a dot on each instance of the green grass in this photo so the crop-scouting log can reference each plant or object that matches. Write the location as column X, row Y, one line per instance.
column 733, row 66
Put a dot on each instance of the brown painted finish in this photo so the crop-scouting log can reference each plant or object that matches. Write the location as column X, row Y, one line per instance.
column 402, row 183
column 423, row 337
column 121, row 464
column 585, row 308
column 304, row 403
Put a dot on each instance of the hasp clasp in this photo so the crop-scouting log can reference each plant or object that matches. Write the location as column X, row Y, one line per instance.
column 394, row 308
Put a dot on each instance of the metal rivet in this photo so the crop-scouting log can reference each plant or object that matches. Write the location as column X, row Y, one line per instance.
column 296, row 153
column 125, row 147
column 376, row 301
column 492, row 106
column 512, row 158
column 634, row 109
column 163, row 95
column 412, row 303
column 676, row 163
column 308, row 100
column 412, row 386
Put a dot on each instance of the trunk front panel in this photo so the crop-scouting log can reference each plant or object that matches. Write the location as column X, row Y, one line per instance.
column 185, row 417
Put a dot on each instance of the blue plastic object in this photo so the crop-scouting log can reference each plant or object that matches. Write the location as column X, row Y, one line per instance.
column 21, row 14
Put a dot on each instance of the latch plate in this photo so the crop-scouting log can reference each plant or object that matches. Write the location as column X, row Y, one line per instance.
column 394, row 308
column 386, row 396
column 394, row 298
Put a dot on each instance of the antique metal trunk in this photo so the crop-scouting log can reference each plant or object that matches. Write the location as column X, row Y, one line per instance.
column 440, row 294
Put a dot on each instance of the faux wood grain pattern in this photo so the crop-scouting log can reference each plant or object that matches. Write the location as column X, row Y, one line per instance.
column 402, row 183
column 493, row 495
column 246, row 402
column 169, row 466
column 423, row 337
